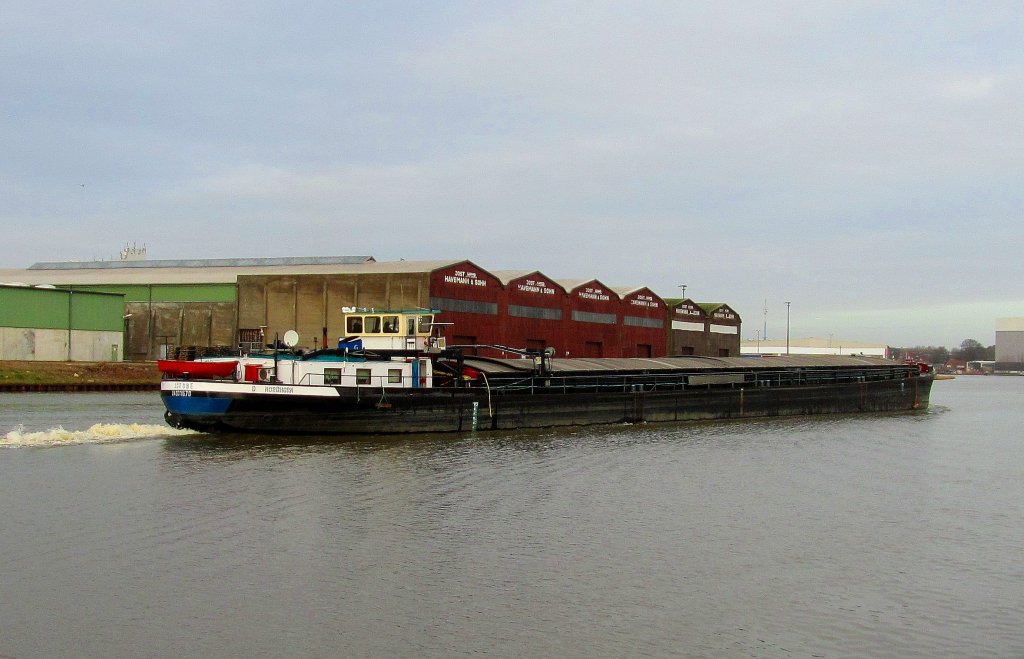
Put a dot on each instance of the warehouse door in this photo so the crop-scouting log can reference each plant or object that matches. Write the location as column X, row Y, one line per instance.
column 593, row 349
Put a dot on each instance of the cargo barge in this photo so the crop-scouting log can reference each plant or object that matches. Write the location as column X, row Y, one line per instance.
column 390, row 374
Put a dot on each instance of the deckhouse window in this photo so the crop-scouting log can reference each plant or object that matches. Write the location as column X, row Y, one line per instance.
column 332, row 376
column 362, row 376
column 394, row 375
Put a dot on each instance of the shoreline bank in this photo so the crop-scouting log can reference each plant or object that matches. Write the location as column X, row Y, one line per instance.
column 36, row 376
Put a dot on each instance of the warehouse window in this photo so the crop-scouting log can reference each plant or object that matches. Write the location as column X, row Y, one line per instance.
column 466, row 306
column 591, row 317
column 542, row 313
column 640, row 321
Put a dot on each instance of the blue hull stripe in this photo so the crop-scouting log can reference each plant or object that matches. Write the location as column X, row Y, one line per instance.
column 196, row 404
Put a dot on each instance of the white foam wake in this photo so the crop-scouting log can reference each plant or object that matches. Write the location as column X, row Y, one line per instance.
column 99, row 433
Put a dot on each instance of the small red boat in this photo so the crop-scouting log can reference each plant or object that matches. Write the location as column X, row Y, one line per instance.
column 179, row 368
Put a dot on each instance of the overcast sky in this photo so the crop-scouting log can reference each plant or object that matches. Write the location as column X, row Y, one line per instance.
column 862, row 160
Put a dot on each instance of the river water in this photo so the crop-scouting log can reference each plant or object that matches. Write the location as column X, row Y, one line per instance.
column 889, row 535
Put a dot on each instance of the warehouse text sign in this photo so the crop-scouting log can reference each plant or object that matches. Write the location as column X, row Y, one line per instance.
column 725, row 314
column 644, row 301
column 535, row 286
column 467, row 277
column 591, row 293
column 687, row 311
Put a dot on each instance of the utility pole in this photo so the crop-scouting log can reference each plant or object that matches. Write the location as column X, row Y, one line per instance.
column 787, row 327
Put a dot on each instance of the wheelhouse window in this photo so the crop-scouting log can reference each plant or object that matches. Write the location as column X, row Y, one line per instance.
column 420, row 325
column 425, row 324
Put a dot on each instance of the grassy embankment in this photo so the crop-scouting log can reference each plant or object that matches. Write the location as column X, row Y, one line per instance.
column 78, row 374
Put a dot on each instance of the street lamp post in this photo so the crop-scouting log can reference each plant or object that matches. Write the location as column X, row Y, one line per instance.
column 787, row 327
column 682, row 291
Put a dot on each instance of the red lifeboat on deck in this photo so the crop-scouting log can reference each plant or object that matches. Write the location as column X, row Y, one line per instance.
column 183, row 368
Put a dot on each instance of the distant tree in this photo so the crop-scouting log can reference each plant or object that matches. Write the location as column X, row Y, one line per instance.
column 971, row 350
column 929, row 354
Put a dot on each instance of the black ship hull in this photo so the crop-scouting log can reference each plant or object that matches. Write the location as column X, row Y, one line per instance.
column 368, row 411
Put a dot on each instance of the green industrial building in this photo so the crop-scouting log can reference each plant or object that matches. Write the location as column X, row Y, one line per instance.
column 47, row 323
column 161, row 305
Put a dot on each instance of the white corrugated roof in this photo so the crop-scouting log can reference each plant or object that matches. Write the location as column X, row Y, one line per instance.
column 256, row 262
column 210, row 275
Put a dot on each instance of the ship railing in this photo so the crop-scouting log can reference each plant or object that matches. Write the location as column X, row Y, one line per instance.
column 698, row 380
column 625, row 382
column 397, row 381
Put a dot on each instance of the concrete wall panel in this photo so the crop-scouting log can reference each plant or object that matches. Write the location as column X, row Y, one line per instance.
column 17, row 343
column 310, row 303
column 252, row 311
column 311, row 311
column 281, row 306
column 52, row 345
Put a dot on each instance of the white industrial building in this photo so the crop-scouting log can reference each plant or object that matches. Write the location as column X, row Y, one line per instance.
column 812, row 346
column 1009, row 345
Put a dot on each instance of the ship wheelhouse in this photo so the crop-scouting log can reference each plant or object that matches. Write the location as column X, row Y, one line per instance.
column 391, row 330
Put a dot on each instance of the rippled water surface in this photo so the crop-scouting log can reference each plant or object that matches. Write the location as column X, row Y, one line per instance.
column 892, row 535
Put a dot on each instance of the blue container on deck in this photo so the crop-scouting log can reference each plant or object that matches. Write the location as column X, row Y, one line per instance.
column 351, row 346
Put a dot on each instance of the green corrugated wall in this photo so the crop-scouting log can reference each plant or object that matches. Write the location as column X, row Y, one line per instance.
column 45, row 308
